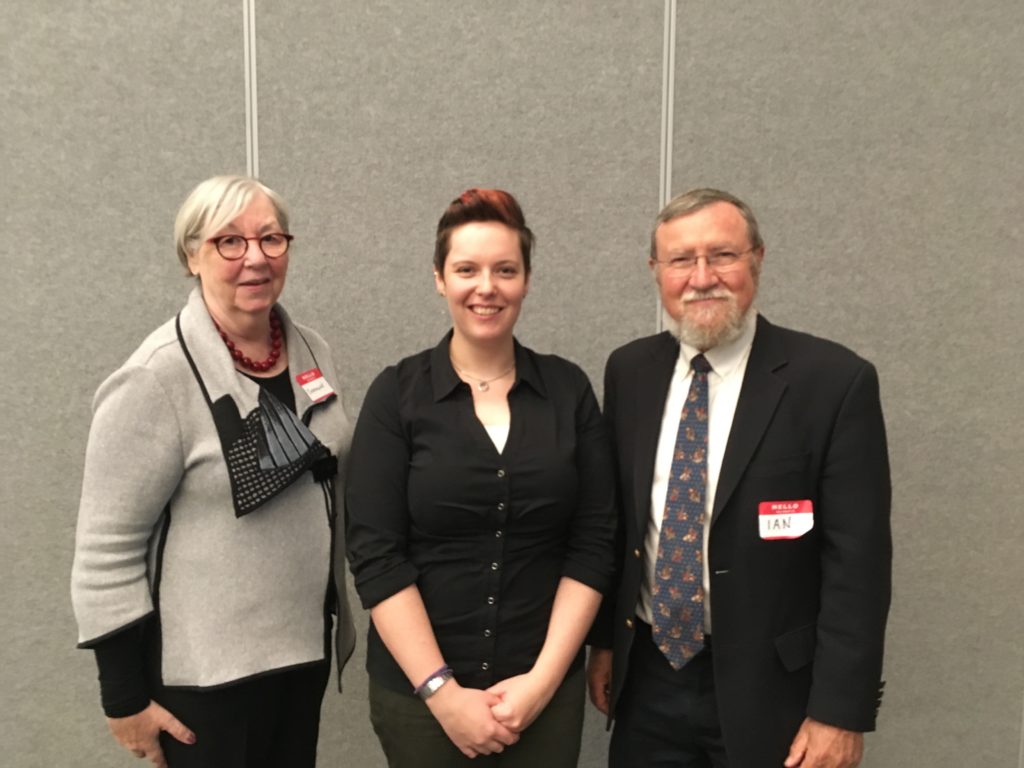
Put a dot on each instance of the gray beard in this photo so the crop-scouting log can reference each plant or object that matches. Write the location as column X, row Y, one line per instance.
column 704, row 337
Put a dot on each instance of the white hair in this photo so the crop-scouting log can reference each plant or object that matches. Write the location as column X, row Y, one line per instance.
column 213, row 204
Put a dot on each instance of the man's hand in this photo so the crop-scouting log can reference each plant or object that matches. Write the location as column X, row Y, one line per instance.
column 140, row 733
column 818, row 745
column 599, row 678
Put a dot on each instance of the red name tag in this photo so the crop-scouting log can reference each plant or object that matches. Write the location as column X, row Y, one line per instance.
column 785, row 519
column 315, row 385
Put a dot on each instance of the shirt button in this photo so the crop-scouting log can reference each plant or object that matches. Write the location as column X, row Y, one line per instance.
column 501, row 506
column 494, row 566
column 487, row 633
column 498, row 533
column 485, row 666
column 501, row 473
column 629, row 623
column 636, row 552
column 490, row 600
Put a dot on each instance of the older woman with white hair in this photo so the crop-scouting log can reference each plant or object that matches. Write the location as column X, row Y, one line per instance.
column 202, row 576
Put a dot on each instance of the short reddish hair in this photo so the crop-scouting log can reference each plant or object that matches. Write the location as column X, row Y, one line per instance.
column 482, row 205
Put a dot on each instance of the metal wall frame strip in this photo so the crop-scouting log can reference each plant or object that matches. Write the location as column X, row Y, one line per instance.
column 668, row 102
column 252, row 134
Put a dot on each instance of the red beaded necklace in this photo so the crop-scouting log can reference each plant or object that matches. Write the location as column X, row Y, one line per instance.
column 247, row 362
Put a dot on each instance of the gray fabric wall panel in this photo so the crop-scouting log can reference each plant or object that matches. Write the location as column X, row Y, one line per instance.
column 112, row 112
column 386, row 112
column 878, row 144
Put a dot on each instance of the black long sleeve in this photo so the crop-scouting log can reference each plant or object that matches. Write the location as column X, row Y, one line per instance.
column 122, row 672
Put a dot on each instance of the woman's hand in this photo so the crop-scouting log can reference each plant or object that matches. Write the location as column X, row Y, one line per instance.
column 140, row 733
column 465, row 715
column 521, row 699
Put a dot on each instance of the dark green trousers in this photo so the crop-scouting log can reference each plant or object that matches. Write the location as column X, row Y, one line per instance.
column 412, row 738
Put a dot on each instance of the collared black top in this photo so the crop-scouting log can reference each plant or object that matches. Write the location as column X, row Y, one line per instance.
column 485, row 536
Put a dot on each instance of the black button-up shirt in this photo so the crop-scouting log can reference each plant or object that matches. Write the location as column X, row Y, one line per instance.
column 485, row 536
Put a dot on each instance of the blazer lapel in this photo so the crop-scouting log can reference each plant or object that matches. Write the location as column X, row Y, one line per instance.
column 759, row 397
column 653, row 381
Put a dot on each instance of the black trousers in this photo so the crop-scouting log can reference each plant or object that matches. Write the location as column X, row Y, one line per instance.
column 412, row 738
column 666, row 718
column 267, row 722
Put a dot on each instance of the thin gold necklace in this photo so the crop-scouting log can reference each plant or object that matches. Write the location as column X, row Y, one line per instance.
column 483, row 384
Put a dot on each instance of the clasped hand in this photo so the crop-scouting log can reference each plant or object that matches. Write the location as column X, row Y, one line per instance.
column 522, row 699
column 466, row 716
column 484, row 722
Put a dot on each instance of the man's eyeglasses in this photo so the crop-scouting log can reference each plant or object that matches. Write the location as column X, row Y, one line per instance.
column 233, row 247
column 719, row 261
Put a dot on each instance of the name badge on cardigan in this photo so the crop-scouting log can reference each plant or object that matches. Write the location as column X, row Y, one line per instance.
column 315, row 384
column 785, row 519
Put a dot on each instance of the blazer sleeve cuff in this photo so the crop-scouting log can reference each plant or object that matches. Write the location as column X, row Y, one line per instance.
column 844, row 713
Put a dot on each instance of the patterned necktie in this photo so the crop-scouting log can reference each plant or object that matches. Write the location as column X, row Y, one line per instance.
column 678, row 589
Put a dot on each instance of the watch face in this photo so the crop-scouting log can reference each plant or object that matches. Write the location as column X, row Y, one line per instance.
column 430, row 687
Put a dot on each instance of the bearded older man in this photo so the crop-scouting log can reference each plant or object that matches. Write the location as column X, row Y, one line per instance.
column 753, row 587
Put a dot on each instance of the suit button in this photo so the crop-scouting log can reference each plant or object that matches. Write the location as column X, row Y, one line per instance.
column 636, row 552
column 629, row 623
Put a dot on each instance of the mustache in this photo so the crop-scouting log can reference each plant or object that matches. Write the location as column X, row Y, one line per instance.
column 713, row 293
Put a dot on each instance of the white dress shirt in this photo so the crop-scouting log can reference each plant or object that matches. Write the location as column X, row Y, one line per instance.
column 728, row 364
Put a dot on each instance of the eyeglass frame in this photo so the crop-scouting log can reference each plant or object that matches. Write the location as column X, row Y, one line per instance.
column 691, row 264
column 216, row 240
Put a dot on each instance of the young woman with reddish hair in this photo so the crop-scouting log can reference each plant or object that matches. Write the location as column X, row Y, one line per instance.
column 481, row 519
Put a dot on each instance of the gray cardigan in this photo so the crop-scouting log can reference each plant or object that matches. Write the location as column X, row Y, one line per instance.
column 237, row 593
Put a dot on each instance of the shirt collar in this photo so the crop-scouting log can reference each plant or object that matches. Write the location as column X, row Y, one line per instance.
column 725, row 357
column 444, row 379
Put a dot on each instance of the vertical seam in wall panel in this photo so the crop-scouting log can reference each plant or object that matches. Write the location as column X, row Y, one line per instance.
column 1020, row 754
column 668, row 80
column 252, row 143
column 668, row 101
